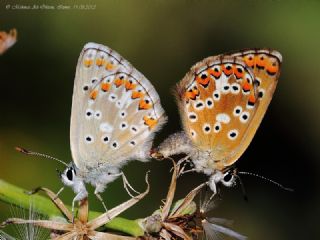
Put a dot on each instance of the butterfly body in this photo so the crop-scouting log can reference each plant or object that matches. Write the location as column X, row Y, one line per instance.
column 222, row 101
column 115, row 113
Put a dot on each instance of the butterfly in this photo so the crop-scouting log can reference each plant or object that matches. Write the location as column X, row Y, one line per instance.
column 222, row 101
column 115, row 114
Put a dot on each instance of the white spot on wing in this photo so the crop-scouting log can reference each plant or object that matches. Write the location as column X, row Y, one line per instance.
column 223, row 117
column 106, row 127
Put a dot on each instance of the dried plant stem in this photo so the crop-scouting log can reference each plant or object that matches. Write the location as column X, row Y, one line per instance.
column 14, row 195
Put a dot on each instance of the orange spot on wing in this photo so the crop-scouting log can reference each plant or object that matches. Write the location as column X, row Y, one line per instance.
column 227, row 71
column 109, row 66
column 252, row 99
column 94, row 94
column 272, row 68
column 105, row 86
column 260, row 61
column 144, row 105
column 203, row 81
column 136, row 94
column 249, row 60
column 246, row 86
column 151, row 122
column 239, row 72
column 100, row 62
column 118, row 82
column 130, row 85
column 88, row 62
column 192, row 95
column 214, row 73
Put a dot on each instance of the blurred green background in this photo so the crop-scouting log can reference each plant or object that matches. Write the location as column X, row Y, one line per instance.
column 163, row 39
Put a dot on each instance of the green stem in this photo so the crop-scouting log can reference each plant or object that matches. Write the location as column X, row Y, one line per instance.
column 17, row 196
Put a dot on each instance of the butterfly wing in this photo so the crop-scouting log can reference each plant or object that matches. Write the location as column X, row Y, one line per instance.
column 223, row 99
column 115, row 110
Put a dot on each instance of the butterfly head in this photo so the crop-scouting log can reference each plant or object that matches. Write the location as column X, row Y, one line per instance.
column 227, row 178
column 70, row 178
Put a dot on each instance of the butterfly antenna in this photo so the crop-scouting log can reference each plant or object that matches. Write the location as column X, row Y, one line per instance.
column 243, row 190
column 28, row 152
column 268, row 180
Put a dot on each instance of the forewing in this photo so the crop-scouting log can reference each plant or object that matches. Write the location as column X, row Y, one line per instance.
column 221, row 104
column 115, row 110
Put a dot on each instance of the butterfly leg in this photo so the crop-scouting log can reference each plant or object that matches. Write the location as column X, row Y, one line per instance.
column 181, row 172
column 80, row 196
column 127, row 185
column 58, row 193
column 183, row 160
column 101, row 200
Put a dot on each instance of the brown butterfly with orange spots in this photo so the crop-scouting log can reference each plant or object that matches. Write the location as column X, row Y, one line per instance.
column 222, row 101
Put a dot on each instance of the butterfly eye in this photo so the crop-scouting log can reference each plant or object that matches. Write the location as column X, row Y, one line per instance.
column 228, row 179
column 69, row 174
